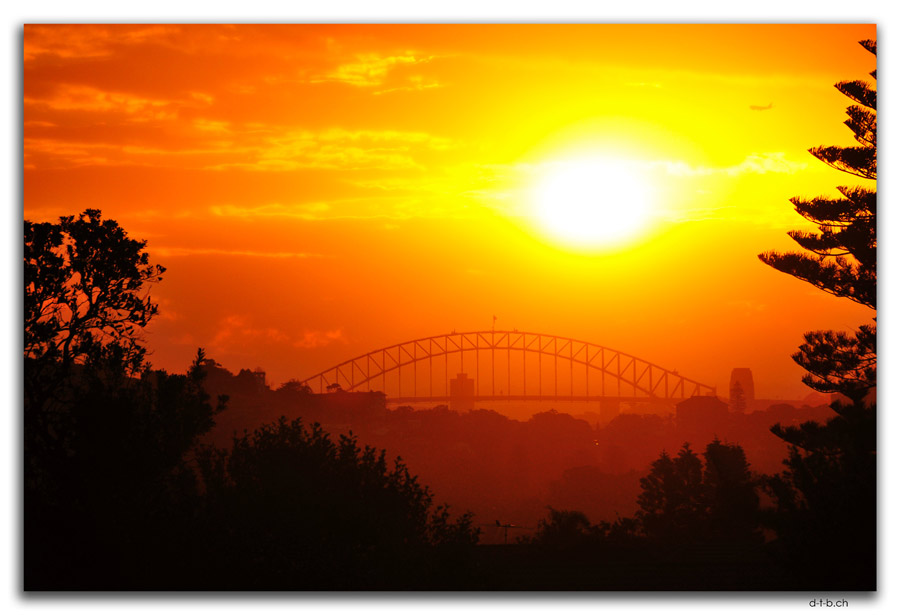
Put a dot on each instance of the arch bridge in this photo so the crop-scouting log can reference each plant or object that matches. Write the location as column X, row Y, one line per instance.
column 506, row 366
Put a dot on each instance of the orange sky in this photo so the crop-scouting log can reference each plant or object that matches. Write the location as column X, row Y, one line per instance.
column 320, row 191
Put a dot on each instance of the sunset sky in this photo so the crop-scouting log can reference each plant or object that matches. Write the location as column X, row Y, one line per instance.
column 316, row 192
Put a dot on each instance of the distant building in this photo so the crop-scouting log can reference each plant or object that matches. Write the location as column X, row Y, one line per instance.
column 462, row 393
column 742, row 394
column 259, row 375
column 700, row 411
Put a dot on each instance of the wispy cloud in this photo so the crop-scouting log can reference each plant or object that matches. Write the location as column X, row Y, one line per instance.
column 768, row 162
column 316, row 339
column 759, row 163
column 371, row 69
column 112, row 106
column 337, row 149
column 85, row 98
column 88, row 41
column 417, row 83
column 235, row 330
column 170, row 252
column 364, row 208
column 220, row 145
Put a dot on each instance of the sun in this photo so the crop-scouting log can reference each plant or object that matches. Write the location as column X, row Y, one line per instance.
column 593, row 203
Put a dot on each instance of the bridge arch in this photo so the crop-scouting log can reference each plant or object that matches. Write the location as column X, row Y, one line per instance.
column 607, row 373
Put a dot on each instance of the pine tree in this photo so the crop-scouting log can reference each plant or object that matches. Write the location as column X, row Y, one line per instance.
column 671, row 499
column 841, row 256
column 828, row 486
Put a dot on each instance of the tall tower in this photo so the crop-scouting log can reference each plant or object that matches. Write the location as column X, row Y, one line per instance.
column 741, row 391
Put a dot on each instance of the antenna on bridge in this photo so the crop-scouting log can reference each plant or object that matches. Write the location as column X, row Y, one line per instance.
column 493, row 323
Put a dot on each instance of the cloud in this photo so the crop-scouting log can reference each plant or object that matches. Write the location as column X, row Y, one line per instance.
column 85, row 98
column 235, row 330
column 112, row 106
column 336, row 148
column 316, row 339
column 88, row 41
column 220, row 145
column 370, row 69
column 166, row 311
column 301, row 211
column 417, row 84
column 386, row 208
column 769, row 162
column 66, row 153
column 170, row 252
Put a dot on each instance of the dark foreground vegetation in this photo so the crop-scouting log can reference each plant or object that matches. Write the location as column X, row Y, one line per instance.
column 121, row 491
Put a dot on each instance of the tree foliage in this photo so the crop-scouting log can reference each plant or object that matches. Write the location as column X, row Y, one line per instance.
column 685, row 500
column 730, row 493
column 85, row 291
column 108, row 472
column 567, row 529
column 289, row 507
column 671, row 498
column 840, row 258
column 827, row 489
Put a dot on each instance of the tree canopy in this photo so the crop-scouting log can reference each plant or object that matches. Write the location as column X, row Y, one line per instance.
column 290, row 507
column 86, row 291
column 684, row 500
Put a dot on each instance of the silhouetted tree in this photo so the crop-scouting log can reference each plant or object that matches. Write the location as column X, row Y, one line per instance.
column 828, row 487
column 85, row 291
column 841, row 257
column 294, row 387
column 108, row 473
column 289, row 508
column 732, row 504
column 671, row 500
column 106, row 440
column 567, row 529
column 685, row 500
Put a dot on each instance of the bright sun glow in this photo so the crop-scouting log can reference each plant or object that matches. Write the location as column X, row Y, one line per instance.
column 593, row 203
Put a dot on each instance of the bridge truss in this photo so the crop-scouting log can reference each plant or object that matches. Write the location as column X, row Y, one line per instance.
column 508, row 365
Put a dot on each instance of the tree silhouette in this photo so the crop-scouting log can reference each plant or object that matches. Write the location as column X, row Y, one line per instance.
column 828, row 486
column 567, row 529
column 108, row 472
column 685, row 500
column 841, row 257
column 290, row 508
column 671, row 499
column 732, row 504
column 107, row 441
column 85, row 293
